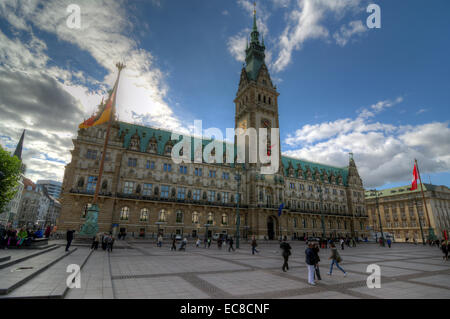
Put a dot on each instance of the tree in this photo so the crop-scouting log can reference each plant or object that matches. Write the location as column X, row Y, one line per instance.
column 10, row 168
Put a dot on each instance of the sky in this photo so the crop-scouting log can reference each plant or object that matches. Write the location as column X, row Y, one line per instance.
column 380, row 93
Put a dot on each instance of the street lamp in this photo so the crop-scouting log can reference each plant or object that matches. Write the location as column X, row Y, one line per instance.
column 206, row 226
column 321, row 212
column 375, row 193
column 237, row 177
column 418, row 215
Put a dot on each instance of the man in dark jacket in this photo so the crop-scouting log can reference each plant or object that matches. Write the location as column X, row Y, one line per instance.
column 310, row 263
column 230, row 242
column 69, row 237
column 286, row 253
column 316, row 261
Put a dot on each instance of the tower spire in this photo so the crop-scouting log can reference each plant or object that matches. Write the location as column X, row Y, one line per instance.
column 19, row 147
column 255, row 28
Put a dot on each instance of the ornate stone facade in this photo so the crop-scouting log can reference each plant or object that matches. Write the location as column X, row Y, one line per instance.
column 144, row 192
column 400, row 209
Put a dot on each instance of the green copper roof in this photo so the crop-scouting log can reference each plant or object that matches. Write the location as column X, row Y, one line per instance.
column 400, row 190
column 145, row 133
column 254, row 53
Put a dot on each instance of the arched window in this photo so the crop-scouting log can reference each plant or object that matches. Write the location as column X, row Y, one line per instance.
column 162, row 216
column 144, row 215
column 124, row 213
column 224, row 219
column 264, row 99
column 179, row 217
column 195, row 218
column 269, row 101
column 210, row 219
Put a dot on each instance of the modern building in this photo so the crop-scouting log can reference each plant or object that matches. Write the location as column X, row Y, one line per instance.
column 10, row 212
column 400, row 208
column 143, row 191
column 53, row 187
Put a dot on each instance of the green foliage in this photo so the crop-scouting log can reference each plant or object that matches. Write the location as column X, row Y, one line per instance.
column 9, row 177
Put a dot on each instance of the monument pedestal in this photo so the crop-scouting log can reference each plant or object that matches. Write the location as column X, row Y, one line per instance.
column 90, row 227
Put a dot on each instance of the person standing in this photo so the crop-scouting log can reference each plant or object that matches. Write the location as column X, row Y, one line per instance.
column 335, row 260
column 310, row 259
column 160, row 240
column 389, row 242
column 209, row 242
column 254, row 244
column 109, row 242
column 69, row 238
column 286, row 252
column 198, row 242
column 342, row 243
column 316, row 262
column 230, row 242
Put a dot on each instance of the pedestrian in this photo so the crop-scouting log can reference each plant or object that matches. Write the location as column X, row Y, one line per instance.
column 48, row 230
column 183, row 244
column 444, row 248
column 254, row 244
column 316, row 262
column 69, row 238
column 104, row 241
column 286, row 252
column 342, row 243
column 205, row 241
column 174, row 244
column 198, row 242
column 160, row 240
column 310, row 259
column 230, row 242
column 219, row 243
column 109, row 242
column 335, row 260
column 93, row 242
column 389, row 242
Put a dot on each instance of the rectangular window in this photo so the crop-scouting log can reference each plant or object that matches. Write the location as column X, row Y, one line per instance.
column 292, row 186
column 212, row 174
column 150, row 165
column 334, row 192
column 198, row 172
column 302, row 187
column 91, row 154
column 167, row 167
column 183, row 169
column 128, row 187
column 147, row 191
column 164, row 191
column 225, row 175
column 310, row 188
column 211, row 196
column 92, row 183
column 132, row 162
column 181, row 193
column 196, row 194
column 225, row 197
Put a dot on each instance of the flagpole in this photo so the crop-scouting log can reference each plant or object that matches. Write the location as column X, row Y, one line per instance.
column 119, row 66
column 430, row 230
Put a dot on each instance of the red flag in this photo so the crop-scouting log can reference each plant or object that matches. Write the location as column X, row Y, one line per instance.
column 414, row 180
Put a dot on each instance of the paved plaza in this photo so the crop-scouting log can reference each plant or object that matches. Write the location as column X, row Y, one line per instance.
column 139, row 269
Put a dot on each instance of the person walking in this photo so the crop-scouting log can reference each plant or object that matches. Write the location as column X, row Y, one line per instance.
column 198, row 243
column 316, row 262
column 109, row 242
column 69, row 238
column 389, row 242
column 230, row 242
column 286, row 252
column 254, row 244
column 335, row 260
column 310, row 259
column 209, row 242
column 342, row 243
column 444, row 248
column 160, row 240
column 174, row 244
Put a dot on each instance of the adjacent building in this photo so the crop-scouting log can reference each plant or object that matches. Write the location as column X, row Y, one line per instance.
column 402, row 212
column 53, row 187
column 143, row 191
column 34, row 205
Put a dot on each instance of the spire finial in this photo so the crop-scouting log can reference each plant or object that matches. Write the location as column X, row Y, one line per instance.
column 19, row 147
column 254, row 17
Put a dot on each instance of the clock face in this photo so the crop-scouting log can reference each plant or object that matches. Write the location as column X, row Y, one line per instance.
column 266, row 123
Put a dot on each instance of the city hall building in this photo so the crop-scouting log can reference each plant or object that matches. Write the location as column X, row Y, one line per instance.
column 144, row 192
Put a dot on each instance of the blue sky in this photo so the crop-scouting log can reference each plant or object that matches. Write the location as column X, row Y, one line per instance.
column 381, row 93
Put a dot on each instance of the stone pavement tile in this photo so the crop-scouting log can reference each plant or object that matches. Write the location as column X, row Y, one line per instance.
column 269, row 263
column 336, row 278
column 412, row 265
column 438, row 280
column 385, row 270
column 404, row 290
column 380, row 256
column 151, row 265
column 323, row 295
column 247, row 283
column 170, row 287
column 357, row 259
column 434, row 261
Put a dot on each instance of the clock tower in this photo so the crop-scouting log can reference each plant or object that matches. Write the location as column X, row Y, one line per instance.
column 256, row 104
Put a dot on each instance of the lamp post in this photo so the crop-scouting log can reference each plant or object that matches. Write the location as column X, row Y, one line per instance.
column 375, row 193
column 238, row 197
column 420, row 220
column 321, row 212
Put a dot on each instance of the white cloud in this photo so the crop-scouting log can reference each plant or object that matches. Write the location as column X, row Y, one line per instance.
column 347, row 32
column 383, row 152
